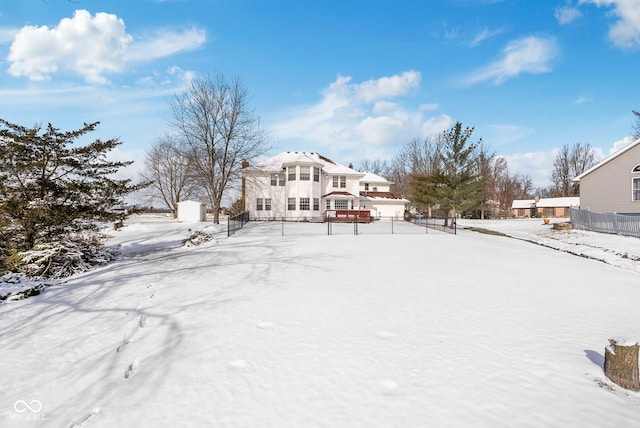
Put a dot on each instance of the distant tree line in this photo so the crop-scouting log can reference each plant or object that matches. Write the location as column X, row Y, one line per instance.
column 449, row 174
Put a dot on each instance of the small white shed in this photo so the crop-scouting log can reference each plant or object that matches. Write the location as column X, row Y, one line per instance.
column 191, row 211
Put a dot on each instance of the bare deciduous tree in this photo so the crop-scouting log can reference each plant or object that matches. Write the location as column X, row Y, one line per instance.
column 636, row 125
column 378, row 166
column 568, row 164
column 220, row 131
column 167, row 168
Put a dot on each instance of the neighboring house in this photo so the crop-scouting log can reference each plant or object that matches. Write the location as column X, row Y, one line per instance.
column 306, row 186
column 613, row 185
column 191, row 211
column 544, row 207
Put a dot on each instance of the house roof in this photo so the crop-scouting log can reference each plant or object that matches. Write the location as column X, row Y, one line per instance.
column 569, row 201
column 370, row 177
column 608, row 159
column 340, row 195
column 381, row 196
column 277, row 162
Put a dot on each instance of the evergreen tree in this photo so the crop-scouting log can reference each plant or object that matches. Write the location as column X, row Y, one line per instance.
column 52, row 187
column 455, row 185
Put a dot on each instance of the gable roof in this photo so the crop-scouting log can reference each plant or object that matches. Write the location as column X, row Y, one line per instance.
column 370, row 177
column 608, row 159
column 275, row 163
column 567, row 201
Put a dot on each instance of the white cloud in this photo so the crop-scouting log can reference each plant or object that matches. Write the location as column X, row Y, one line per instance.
column 87, row 45
column 537, row 165
column 91, row 46
column 621, row 144
column 387, row 87
column 583, row 100
column 626, row 31
column 166, row 43
column 429, row 107
column 527, row 55
column 358, row 120
column 503, row 135
column 567, row 14
column 484, row 35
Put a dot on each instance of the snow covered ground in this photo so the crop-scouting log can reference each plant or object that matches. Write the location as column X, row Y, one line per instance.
column 286, row 326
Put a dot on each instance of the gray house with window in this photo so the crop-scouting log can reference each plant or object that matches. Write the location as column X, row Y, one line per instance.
column 613, row 185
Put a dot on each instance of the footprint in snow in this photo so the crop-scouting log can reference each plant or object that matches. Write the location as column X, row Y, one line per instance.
column 84, row 421
column 125, row 342
column 133, row 367
column 143, row 321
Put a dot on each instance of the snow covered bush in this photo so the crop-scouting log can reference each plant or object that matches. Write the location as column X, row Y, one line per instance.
column 61, row 259
column 196, row 238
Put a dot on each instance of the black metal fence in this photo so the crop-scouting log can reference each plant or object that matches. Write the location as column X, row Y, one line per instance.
column 383, row 226
column 237, row 222
column 625, row 225
column 442, row 224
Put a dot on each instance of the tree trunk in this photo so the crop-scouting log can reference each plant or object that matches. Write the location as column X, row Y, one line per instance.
column 621, row 363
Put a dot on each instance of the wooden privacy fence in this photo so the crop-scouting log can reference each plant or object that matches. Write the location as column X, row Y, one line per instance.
column 625, row 225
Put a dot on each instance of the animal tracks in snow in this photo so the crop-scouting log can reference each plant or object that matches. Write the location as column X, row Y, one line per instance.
column 141, row 323
column 133, row 367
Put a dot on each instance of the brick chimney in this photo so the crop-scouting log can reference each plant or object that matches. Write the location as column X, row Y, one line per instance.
column 245, row 164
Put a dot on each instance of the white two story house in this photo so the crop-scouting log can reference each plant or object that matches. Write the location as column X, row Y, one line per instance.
column 306, row 186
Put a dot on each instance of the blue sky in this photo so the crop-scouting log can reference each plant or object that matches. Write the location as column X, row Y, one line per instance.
column 348, row 79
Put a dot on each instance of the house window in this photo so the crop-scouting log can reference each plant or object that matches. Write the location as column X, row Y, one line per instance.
column 340, row 181
column 636, row 189
column 548, row 212
column 341, row 204
column 267, row 204
column 277, row 179
column 304, row 204
column 292, row 173
column 291, row 204
column 366, row 186
column 305, row 174
column 259, row 204
column 316, row 174
column 636, row 169
column 328, row 204
column 316, row 204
